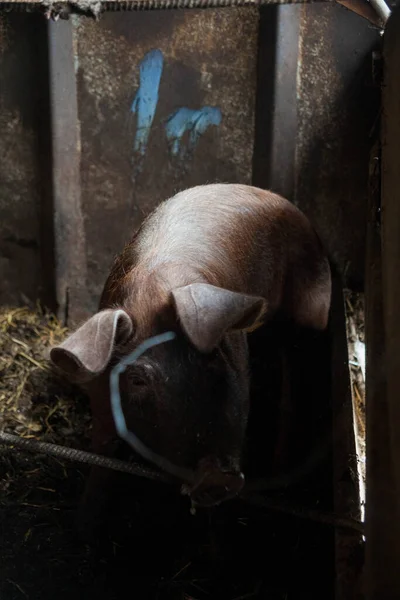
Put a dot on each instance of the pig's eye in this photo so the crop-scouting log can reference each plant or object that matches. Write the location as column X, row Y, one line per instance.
column 141, row 375
column 137, row 379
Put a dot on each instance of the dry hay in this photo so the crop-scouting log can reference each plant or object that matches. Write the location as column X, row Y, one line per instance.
column 354, row 304
column 356, row 346
column 34, row 401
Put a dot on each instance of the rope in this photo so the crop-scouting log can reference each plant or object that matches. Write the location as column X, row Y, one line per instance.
column 13, row 441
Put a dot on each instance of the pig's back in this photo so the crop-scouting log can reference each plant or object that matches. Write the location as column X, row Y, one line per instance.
column 197, row 218
column 238, row 236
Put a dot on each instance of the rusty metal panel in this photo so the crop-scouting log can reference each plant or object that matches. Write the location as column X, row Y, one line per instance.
column 316, row 106
column 166, row 101
column 337, row 107
column 20, row 167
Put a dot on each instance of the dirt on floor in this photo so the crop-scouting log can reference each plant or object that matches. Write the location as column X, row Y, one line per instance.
column 154, row 547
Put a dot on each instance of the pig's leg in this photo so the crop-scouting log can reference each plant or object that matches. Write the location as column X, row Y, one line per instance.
column 285, row 414
column 93, row 511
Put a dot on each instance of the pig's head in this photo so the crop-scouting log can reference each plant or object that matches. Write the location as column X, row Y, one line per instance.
column 186, row 400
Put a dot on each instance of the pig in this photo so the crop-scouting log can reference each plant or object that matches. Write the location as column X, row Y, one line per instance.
column 210, row 264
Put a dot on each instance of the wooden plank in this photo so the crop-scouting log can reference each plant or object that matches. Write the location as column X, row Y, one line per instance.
column 381, row 568
column 69, row 235
column 382, row 578
column 391, row 229
column 274, row 165
column 383, row 350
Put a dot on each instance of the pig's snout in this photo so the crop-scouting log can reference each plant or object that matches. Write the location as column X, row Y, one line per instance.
column 213, row 486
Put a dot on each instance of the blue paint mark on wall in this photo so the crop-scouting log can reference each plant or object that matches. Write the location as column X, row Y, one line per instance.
column 145, row 103
column 181, row 122
column 196, row 122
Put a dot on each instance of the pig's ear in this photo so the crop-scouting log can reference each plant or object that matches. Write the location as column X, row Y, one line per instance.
column 207, row 312
column 87, row 352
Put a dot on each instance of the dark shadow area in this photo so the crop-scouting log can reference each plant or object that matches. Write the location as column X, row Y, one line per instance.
column 153, row 547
